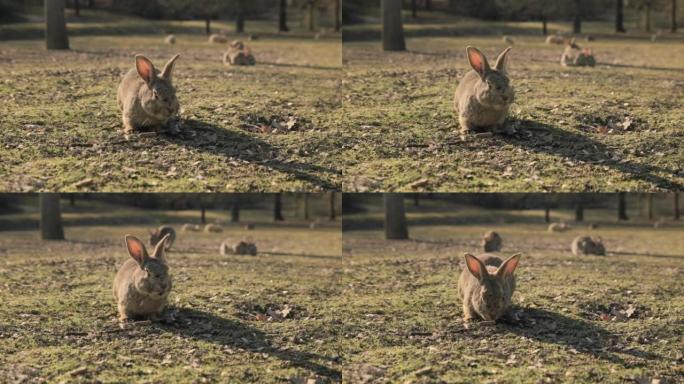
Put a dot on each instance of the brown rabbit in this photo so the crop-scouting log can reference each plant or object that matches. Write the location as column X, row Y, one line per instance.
column 190, row 228
column 215, row 228
column 142, row 284
column 485, row 94
column 242, row 247
column 160, row 233
column 486, row 286
column 558, row 227
column 238, row 54
column 585, row 245
column 491, row 242
column 147, row 98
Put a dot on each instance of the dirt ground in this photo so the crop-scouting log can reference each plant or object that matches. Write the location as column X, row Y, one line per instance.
column 260, row 128
column 267, row 318
column 612, row 127
column 611, row 319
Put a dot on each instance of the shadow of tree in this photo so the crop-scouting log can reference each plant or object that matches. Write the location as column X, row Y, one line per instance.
column 200, row 325
column 583, row 336
column 206, row 137
column 548, row 139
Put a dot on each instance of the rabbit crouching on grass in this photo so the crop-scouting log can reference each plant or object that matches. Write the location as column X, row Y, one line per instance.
column 146, row 97
column 486, row 286
column 491, row 242
column 238, row 54
column 484, row 95
column 161, row 232
column 586, row 245
column 142, row 284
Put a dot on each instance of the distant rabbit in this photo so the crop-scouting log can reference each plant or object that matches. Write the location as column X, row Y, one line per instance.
column 146, row 97
column 659, row 224
column 486, row 285
column 218, row 39
column 558, row 227
column 484, row 94
column 170, row 39
column 593, row 226
column 142, row 284
column 238, row 54
column 160, row 233
column 190, row 228
column 215, row 228
column 250, row 227
column 508, row 40
column 491, row 242
column 585, row 245
column 574, row 56
column 242, row 247
column 555, row 39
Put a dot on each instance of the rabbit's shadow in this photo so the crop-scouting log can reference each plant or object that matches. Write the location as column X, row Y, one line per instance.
column 203, row 136
column 206, row 326
column 545, row 138
column 582, row 336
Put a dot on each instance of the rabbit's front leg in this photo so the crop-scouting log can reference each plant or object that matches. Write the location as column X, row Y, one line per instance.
column 466, row 125
column 469, row 313
column 128, row 124
column 123, row 316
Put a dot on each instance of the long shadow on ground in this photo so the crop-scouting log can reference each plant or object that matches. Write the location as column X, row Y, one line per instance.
column 206, row 137
column 546, row 138
column 200, row 325
column 584, row 337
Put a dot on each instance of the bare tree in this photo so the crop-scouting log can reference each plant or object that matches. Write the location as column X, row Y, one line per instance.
column 577, row 18
column 338, row 15
column 622, row 206
column 240, row 16
column 77, row 8
column 649, row 206
column 50, row 217
column 414, row 8
column 55, row 25
column 673, row 15
column 235, row 209
column 278, row 207
column 392, row 28
column 282, row 16
column 395, row 217
column 306, row 206
column 579, row 212
column 619, row 16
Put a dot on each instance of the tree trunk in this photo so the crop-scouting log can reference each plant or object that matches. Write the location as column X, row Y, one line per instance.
column 338, row 15
column 311, row 10
column 77, row 8
column 545, row 26
column 428, row 4
column 395, row 216
column 333, row 214
column 622, row 206
column 673, row 14
column 579, row 212
column 392, row 28
column 91, row 3
column 414, row 8
column 72, row 199
column 203, row 215
column 649, row 206
column 306, row 206
column 647, row 16
column 50, row 217
column 547, row 215
column 235, row 210
column 278, row 207
column 240, row 17
column 282, row 16
column 620, row 16
column 416, row 199
column 207, row 25
column 675, row 205
column 55, row 25
column 577, row 20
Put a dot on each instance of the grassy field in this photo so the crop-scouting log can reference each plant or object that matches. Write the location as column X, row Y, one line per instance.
column 62, row 128
column 612, row 319
column 612, row 127
column 58, row 320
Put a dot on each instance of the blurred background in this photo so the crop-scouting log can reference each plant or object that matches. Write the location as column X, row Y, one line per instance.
column 397, row 213
column 281, row 15
column 25, row 211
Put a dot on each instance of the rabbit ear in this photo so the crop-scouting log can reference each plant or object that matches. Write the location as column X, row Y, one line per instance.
column 501, row 61
column 159, row 250
column 478, row 61
column 168, row 68
column 475, row 266
column 145, row 68
column 509, row 266
column 136, row 249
